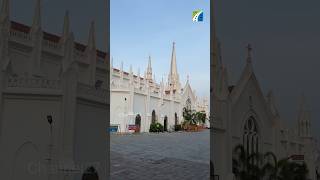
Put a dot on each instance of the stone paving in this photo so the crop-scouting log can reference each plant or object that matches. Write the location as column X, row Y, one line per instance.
column 163, row 156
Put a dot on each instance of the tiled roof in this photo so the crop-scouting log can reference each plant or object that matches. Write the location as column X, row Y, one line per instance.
column 51, row 37
column 20, row 27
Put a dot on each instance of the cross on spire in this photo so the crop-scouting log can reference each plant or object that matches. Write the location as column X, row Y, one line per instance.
column 249, row 50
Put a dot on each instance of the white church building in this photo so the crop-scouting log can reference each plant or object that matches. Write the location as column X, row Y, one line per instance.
column 54, row 102
column 139, row 100
column 243, row 115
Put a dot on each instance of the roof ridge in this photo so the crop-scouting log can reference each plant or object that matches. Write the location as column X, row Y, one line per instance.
column 52, row 37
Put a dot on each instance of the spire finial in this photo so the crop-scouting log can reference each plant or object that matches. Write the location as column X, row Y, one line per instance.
column 249, row 51
column 187, row 77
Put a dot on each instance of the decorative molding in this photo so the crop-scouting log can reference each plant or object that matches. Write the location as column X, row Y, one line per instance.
column 85, row 90
column 25, row 82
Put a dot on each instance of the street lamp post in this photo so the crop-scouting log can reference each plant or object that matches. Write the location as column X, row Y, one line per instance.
column 49, row 159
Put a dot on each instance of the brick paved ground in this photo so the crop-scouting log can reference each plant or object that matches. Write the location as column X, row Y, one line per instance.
column 163, row 156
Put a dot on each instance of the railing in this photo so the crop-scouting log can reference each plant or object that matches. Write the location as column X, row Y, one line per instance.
column 18, row 35
column 51, row 45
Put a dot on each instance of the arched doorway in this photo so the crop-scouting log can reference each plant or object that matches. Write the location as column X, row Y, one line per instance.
column 90, row 174
column 153, row 117
column 138, row 123
column 175, row 119
column 165, row 123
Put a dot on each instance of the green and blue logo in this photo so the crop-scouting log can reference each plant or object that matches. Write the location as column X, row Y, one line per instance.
column 197, row 16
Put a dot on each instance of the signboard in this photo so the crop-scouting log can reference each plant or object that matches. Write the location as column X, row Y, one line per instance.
column 113, row 129
column 132, row 127
column 297, row 157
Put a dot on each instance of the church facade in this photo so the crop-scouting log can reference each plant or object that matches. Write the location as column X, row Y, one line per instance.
column 139, row 100
column 243, row 115
column 54, row 102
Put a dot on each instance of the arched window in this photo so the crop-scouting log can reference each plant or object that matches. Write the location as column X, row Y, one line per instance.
column 188, row 103
column 90, row 174
column 165, row 123
column 153, row 117
column 251, row 136
column 175, row 119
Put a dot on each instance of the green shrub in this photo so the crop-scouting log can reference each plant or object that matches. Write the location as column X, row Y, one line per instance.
column 156, row 127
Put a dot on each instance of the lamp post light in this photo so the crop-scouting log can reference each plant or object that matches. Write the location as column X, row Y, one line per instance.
column 49, row 159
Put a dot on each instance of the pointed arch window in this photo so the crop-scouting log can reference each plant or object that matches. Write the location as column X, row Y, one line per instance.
column 188, row 103
column 251, row 136
column 153, row 116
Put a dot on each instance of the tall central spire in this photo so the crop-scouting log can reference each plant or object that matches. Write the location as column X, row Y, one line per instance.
column 173, row 78
column 173, row 66
column 149, row 70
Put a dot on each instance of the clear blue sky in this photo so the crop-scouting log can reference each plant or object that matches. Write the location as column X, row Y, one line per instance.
column 142, row 27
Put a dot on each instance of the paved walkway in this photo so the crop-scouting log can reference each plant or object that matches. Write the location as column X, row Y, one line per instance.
column 164, row 156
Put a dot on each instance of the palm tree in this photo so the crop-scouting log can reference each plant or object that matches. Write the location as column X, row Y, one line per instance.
column 246, row 166
column 200, row 117
column 271, row 169
column 249, row 166
column 292, row 170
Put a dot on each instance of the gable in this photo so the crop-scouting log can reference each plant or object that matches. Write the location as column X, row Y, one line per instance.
column 250, row 101
column 188, row 93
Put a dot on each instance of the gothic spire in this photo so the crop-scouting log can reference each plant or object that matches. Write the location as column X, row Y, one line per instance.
column 66, row 27
column 173, row 78
column 36, row 23
column 214, row 62
column 139, row 78
column 5, row 10
column 303, row 118
column 121, row 70
column 68, row 51
column 91, row 54
column 92, row 37
column 149, row 70
column 111, row 64
column 130, row 69
column 173, row 65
